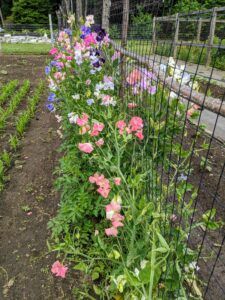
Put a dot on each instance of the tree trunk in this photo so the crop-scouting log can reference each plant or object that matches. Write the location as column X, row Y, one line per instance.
column 106, row 14
column 78, row 10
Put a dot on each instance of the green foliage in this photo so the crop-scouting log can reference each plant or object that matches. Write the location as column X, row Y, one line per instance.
column 7, row 90
column 31, row 11
column 141, row 24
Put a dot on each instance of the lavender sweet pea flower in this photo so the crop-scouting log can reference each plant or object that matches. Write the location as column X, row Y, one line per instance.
column 152, row 90
column 182, row 177
column 68, row 31
column 90, row 101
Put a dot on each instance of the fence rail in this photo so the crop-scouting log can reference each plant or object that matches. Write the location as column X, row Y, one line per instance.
column 213, row 20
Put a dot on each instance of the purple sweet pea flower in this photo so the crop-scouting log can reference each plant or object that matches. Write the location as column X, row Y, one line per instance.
column 47, row 70
column 51, row 97
column 68, row 31
column 50, row 107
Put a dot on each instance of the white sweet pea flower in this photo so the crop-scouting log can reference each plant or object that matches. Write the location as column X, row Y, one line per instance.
column 143, row 263
column 136, row 272
column 71, row 19
column 171, row 62
column 163, row 68
column 173, row 95
column 185, row 78
column 76, row 97
column 73, row 118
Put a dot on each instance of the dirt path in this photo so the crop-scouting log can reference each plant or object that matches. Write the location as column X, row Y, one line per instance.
column 26, row 205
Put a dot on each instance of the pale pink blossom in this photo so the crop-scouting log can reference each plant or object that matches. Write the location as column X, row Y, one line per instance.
column 59, row 269
column 134, row 77
column 121, row 126
column 102, row 182
column 100, row 142
column 88, row 81
column 84, row 129
column 115, row 56
column 131, row 105
column 112, row 209
column 117, row 224
column 112, row 231
column 85, row 147
column 117, row 217
column 117, row 181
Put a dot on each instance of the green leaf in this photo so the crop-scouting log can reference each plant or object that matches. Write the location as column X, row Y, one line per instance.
column 163, row 241
column 95, row 276
column 81, row 267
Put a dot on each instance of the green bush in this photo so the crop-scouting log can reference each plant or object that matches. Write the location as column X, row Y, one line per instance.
column 31, row 11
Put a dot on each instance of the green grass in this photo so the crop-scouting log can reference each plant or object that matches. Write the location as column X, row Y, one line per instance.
column 37, row 49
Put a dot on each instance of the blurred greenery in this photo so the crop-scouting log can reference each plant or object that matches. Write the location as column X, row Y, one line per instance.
column 38, row 49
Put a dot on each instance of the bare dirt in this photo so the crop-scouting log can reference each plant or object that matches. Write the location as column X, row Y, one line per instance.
column 29, row 201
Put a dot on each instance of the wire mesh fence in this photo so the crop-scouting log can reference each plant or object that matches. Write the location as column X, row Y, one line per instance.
column 163, row 78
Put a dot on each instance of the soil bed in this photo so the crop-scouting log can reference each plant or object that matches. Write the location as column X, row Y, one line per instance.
column 29, row 201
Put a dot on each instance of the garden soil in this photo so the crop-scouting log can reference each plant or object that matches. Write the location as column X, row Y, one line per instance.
column 29, row 201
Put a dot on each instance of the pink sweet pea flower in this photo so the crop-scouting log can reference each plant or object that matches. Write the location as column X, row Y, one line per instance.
column 192, row 110
column 69, row 57
column 131, row 105
column 117, row 181
column 97, row 128
column 112, row 209
column 84, row 129
column 121, row 125
column 115, row 56
column 58, row 76
column 117, row 217
column 136, row 123
column 104, row 192
column 100, row 142
column 139, row 135
column 53, row 51
column 134, row 77
column 117, row 224
column 83, row 120
column 112, row 231
column 88, row 82
column 85, row 147
column 89, row 39
column 59, row 269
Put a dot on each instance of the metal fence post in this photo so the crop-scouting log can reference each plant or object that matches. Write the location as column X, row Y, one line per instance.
column 199, row 30
column 211, row 36
column 51, row 29
column 123, row 45
column 176, row 35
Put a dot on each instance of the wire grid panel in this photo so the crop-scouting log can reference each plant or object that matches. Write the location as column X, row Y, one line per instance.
column 203, row 136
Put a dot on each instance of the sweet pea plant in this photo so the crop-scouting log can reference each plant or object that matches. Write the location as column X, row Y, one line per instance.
column 116, row 221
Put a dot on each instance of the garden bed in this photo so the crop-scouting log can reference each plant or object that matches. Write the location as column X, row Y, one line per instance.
column 29, row 200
